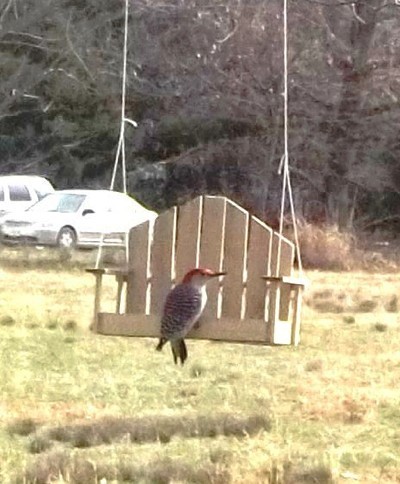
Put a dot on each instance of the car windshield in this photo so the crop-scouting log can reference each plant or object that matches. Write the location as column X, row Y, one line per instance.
column 59, row 202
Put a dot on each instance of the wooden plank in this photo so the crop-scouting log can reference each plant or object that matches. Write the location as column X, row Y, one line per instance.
column 293, row 281
column 287, row 256
column 273, row 298
column 282, row 333
column 187, row 238
column 235, row 247
column 138, row 266
column 211, row 245
column 161, row 260
column 295, row 335
column 285, row 269
column 225, row 329
column 97, row 301
column 259, row 253
column 120, row 285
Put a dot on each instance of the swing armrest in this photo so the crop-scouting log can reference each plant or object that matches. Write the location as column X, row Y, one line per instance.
column 117, row 272
column 290, row 280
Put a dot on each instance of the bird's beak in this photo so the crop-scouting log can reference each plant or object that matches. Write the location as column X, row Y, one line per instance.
column 218, row 274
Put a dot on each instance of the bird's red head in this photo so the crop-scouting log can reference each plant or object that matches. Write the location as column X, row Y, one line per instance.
column 201, row 272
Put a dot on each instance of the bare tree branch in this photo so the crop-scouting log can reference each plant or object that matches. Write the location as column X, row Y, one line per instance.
column 354, row 10
column 73, row 50
column 4, row 12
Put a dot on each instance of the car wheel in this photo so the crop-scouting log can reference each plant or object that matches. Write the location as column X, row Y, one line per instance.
column 66, row 238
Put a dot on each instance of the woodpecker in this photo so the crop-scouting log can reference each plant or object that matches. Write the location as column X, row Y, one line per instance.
column 182, row 309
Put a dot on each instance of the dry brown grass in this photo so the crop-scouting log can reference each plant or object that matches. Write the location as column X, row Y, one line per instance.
column 325, row 248
column 62, row 467
column 144, row 429
column 353, row 293
column 114, row 409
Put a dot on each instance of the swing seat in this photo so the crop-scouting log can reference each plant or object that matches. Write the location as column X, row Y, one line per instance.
column 259, row 301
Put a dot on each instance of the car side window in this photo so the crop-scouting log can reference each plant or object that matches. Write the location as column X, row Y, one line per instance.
column 19, row 193
column 1, row 193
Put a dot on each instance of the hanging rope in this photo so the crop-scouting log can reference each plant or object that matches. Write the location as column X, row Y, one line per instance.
column 284, row 163
column 121, row 141
column 120, row 153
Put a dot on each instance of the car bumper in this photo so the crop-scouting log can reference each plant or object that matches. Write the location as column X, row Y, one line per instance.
column 89, row 240
column 28, row 237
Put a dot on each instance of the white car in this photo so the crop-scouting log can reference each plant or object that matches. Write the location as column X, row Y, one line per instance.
column 18, row 192
column 76, row 218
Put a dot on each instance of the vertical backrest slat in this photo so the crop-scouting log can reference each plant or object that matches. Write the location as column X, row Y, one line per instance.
column 286, row 259
column 138, row 259
column 235, row 246
column 211, row 245
column 259, row 254
column 285, row 269
column 187, row 237
column 161, row 260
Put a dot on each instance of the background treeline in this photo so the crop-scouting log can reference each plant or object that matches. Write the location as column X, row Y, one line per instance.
column 205, row 82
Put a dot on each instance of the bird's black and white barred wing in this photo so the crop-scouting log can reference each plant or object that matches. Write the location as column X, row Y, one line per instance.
column 183, row 307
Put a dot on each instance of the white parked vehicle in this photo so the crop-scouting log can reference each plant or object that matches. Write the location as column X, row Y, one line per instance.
column 18, row 192
column 76, row 218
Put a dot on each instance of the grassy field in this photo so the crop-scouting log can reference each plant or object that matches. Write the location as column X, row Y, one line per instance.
column 80, row 408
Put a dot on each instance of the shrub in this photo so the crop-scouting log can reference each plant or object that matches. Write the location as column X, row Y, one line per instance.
column 327, row 248
column 7, row 321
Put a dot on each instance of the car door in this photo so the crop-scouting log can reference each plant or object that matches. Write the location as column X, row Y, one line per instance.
column 93, row 220
column 103, row 216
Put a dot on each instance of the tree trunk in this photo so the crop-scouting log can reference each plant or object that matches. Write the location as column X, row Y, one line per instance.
column 344, row 150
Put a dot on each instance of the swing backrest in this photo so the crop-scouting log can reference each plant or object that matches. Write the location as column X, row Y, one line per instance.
column 209, row 232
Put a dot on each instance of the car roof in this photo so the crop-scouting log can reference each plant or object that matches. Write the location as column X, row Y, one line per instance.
column 102, row 194
column 25, row 178
column 82, row 191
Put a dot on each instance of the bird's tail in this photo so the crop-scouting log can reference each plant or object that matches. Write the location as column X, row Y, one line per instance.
column 161, row 343
column 179, row 351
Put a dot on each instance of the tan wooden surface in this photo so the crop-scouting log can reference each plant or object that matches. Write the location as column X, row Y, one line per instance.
column 97, row 300
column 295, row 332
column 287, row 256
column 235, row 249
column 259, row 255
column 137, row 279
column 216, row 233
column 161, row 260
column 274, row 295
column 225, row 329
column 187, row 241
column 285, row 269
column 292, row 280
column 282, row 333
column 212, row 238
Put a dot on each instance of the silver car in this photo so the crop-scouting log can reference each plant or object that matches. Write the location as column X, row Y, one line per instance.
column 76, row 218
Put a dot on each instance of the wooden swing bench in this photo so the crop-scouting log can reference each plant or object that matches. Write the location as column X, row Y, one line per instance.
column 259, row 301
